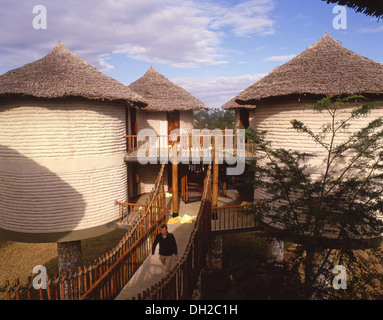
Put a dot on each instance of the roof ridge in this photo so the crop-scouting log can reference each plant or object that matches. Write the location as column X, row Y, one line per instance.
column 326, row 38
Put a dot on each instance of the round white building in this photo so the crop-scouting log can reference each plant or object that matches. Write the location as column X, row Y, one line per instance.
column 62, row 145
column 324, row 68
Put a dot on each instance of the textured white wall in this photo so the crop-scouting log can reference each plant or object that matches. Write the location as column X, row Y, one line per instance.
column 147, row 174
column 276, row 120
column 152, row 120
column 252, row 120
column 186, row 120
column 61, row 165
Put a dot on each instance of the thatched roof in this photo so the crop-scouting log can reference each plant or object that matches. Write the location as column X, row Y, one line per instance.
column 324, row 68
column 164, row 95
column 62, row 74
column 368, row 7
column 231, row 104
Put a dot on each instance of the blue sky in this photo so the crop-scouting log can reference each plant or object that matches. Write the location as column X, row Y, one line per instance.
column 214, row 49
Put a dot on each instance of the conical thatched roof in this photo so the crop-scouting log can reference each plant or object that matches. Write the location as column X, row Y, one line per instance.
column 324, row 68
column 164, row 95
column 63, row 74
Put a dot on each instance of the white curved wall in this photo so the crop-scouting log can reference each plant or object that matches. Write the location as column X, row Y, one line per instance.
column 61, row 165
column 276, row 120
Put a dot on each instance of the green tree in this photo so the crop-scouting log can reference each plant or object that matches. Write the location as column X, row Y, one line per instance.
column 344, row 203
column 214, row 118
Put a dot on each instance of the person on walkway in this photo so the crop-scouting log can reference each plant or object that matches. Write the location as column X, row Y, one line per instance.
column 168, row 247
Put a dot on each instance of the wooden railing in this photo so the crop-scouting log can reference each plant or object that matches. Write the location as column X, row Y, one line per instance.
column 130, row 213
column 182, row 280
column 111, row 282
column 189, row 145
column 103, row 278
column 237, row 217
column 140, row 238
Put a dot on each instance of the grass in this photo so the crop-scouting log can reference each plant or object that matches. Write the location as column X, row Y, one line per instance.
column 17, row 259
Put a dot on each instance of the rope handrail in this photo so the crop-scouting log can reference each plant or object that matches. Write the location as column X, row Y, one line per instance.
column 132, row 230
column 120, row 259
column 131, row 204
column 202, row 221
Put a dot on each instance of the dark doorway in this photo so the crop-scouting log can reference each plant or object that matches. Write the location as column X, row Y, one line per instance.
column 173, row 121
column 131, row 130
column 135, row 180
column 244, row 117
column 133, row 122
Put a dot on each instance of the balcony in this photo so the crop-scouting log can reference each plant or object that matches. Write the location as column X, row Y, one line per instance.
column 189, row 148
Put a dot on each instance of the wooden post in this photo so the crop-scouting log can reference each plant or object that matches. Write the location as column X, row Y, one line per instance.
column 214, row 200
column 175, row 181
column 183, row 180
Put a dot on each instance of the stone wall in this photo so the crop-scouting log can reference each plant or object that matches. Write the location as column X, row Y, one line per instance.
column 69, row 255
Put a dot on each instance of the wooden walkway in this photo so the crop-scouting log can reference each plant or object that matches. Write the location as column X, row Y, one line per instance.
column 151, row 272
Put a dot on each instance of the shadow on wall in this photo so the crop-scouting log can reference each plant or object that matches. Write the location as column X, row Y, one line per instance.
column 36, row 205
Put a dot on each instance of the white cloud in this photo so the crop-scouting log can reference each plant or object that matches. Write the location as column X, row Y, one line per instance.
column 104, row 65
column 280, row 58
column 246, row 18
column 214, row 92
column 370, row 30
column 184, row 33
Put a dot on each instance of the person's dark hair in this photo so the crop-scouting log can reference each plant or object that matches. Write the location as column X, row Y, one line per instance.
column 164, row 226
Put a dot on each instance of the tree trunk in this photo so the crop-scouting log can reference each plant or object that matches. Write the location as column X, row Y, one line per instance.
column 318, row 274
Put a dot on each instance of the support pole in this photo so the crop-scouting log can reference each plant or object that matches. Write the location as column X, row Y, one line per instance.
column 175, row 181
column 214, row 201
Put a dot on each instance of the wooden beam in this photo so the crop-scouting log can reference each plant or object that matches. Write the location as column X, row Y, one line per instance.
column 214, row 200
column 175, row 182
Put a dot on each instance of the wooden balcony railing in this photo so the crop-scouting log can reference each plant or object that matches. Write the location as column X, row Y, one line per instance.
column 129, row 212
column 228, row 218
column 189, row 145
